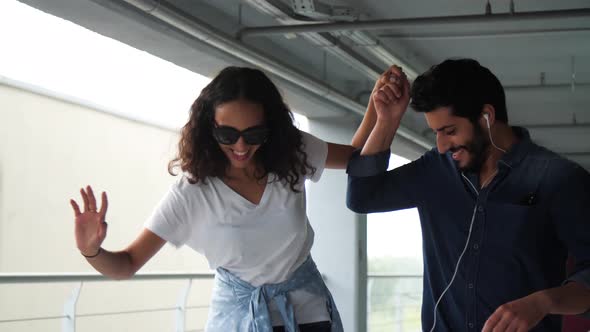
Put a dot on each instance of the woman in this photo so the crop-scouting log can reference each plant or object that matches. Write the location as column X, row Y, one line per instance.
column 241, row 203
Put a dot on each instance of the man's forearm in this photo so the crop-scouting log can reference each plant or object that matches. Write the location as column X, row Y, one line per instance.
column 572, row 298
column 381, row 137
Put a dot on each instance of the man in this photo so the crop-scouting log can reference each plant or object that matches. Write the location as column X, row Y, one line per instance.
column 498, row 212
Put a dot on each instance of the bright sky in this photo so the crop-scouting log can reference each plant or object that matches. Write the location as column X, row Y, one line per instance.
column 55, row 54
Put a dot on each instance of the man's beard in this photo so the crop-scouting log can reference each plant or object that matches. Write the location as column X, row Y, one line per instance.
column 477, row 149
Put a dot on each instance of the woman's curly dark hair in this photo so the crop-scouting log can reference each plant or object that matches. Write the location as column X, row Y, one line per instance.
column 199, row 154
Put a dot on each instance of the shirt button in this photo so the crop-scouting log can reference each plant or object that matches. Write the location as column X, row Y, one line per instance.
column 470, row 285
column 470, row 325
column 476, row 246
column 480, row 208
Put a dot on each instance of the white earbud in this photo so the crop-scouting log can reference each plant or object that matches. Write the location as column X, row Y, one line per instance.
column 487, row 117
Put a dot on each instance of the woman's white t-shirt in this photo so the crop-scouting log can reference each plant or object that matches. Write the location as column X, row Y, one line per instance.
column 261, row 244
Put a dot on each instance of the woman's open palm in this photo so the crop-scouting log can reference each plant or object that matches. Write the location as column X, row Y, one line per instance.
column 90, row 224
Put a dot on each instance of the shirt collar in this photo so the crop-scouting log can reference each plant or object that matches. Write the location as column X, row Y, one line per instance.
column 511, row 158
column 519, row 150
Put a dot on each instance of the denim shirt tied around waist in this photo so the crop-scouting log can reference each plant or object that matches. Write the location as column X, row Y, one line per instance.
column 238, row 306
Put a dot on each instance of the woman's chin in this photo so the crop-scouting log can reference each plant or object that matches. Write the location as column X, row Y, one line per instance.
column 239, row 161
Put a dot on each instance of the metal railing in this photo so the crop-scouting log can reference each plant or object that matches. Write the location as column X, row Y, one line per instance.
column 393, row 302
column 69, row 313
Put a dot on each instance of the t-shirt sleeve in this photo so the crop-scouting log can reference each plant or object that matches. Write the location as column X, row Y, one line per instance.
column 317, row 152
column 169, row 220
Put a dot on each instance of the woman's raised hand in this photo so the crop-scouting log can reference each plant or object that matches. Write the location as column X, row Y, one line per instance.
column 90, row 224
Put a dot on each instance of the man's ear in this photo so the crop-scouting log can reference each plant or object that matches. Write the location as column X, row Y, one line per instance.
column 488, row 116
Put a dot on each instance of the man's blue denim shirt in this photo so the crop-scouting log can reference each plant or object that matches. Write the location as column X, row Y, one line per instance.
column 535, row 211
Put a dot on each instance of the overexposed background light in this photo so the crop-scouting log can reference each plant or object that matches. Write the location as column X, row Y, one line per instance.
column 395, row 234
column 58, row 55
column 49, row 52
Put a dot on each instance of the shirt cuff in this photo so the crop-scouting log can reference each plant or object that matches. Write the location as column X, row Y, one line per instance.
column 582, row 277
column 362, row 166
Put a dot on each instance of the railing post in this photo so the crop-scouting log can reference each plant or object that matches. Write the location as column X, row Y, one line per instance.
column 69, row 321
column 369, row 301
column 397, row 306
column 181, row 307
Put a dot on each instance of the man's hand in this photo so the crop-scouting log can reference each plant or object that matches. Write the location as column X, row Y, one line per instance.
column 391, row 75
column 520, row 315
column 391, row 95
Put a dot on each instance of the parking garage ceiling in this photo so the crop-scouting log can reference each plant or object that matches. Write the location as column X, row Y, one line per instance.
column 326, row 54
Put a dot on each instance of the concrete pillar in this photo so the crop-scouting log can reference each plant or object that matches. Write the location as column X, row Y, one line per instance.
column 340, row 241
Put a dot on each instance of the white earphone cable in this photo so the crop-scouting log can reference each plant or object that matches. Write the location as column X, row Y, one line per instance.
column 490, row 134
column 470, row 230
column 456, row 268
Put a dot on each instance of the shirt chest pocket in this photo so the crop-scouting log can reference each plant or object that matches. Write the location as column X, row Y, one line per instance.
column 515, row 227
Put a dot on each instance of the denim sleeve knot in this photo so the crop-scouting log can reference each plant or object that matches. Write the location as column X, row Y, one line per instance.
column 238, row 306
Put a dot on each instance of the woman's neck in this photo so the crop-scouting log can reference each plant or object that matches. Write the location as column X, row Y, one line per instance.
column 249, row 172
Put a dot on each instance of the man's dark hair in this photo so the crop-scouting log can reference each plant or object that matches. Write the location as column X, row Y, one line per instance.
column 461, row 84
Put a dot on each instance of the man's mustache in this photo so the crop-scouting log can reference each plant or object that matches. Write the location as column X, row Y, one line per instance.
column 457, row 148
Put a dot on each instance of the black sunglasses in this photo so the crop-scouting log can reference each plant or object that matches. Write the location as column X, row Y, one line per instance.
column 229, row 135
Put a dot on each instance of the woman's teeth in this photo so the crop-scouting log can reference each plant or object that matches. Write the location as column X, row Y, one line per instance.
column 240, row 155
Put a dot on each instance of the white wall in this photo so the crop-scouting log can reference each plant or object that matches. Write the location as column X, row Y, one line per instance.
column 340, row 234
column 48, row 150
